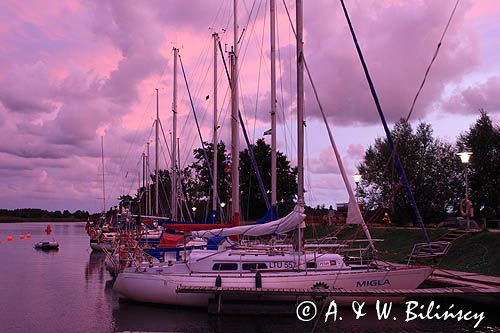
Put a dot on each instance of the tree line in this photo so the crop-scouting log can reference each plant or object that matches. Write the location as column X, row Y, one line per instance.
column 435, row 173
column 33, row 213
column 196, row 190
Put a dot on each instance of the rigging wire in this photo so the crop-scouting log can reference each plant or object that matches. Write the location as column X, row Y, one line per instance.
column 438, row 47
column 258, row 79
column 199, row 134
column 250, row 149
column 402, row 175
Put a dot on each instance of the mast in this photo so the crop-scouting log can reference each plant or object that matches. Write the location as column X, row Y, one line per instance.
column 300, row 104
column 273, row 111
column 179, row 181
column 148, row 180
column 214, row 192
column 139, row 203
column 235, row 163
column 300, row 119
column 103, row 187
column 157, row 125
column 173, row 175
column 143, row 182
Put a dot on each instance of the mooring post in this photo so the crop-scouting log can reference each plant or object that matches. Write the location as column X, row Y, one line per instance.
column 218, row 297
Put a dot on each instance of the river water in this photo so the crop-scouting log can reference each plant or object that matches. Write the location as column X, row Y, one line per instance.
column 70, row 291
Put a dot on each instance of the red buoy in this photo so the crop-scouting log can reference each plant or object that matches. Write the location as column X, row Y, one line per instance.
column 9, row 238
column 28, row 235
column 21, row 237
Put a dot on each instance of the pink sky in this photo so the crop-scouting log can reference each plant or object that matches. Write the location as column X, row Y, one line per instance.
column 73, row 70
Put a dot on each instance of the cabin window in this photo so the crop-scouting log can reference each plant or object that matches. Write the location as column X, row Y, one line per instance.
column 225, row 267
column 254, row 265
column 311, row 265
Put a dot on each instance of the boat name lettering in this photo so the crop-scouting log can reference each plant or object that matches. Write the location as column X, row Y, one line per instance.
column 372, row 283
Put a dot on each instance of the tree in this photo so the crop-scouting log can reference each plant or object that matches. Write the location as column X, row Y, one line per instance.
column 483, row 140
column 252, row 202
column 431, row 166
column 197, row 189
column 197, row 183
column 81, row 214
column 126, row 201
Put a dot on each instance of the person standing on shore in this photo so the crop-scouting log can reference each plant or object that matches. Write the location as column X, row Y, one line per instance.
column 331, row 215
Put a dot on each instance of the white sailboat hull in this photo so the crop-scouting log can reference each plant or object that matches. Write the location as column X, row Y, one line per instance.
column 158, row 288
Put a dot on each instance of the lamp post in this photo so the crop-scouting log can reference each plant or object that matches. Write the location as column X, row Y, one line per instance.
column 222, row 206
column 465, row 157
column 357, row 179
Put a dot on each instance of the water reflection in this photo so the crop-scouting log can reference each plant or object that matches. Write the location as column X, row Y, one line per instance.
column 95, row 266
column 47, row 251
column 71, row 291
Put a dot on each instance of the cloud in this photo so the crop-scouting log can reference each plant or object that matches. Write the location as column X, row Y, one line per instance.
column 481, row 96
column 71, row 71
column 325, row 163
column 26, row 89
column 355, row 151
column 398, row 40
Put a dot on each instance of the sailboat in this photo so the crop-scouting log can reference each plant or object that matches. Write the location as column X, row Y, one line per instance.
column 101, row 233
column 234, row 265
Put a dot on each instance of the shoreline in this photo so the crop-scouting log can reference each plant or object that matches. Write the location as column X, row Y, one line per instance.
column 11, row 219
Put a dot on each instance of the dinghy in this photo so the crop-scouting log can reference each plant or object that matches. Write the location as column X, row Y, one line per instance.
column 47, row 245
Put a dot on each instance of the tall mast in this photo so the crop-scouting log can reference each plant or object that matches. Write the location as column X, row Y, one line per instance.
column 179, row 182
column 173, row 173
column 300, row 120
column 157, row 123
column 103, row 187
column 214, row 192
column 273, row 111
column 300, row 104
column 148, row 180
column 144, row 183
column 235, row 176
column 139, row 201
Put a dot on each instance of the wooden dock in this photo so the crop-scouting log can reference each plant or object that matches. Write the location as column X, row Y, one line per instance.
column 428, row 292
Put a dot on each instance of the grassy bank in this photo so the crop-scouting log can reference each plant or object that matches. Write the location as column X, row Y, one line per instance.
column 477, row 252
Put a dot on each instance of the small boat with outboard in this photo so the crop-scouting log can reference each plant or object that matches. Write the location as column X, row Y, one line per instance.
column 49, row 245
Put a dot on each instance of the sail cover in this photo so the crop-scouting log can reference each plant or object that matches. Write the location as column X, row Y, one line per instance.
column 280, row 226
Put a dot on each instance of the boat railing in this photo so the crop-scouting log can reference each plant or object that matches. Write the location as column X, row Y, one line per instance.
column 431, row 250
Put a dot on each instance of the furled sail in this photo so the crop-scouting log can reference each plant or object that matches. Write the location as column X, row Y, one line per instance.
column 353, row 212
column 280, row 226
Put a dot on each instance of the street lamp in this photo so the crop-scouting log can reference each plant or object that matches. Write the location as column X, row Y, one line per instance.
column 357, row 179
column 193, row 209
column 465, row 157
column 223, row 204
